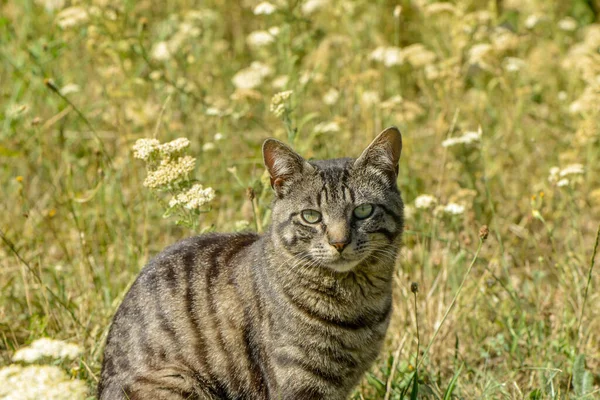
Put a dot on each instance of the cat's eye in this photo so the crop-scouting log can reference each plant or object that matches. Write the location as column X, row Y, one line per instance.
column 363, row 211
column 311, row 216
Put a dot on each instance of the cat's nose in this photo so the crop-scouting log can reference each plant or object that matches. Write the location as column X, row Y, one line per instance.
column 339, row 246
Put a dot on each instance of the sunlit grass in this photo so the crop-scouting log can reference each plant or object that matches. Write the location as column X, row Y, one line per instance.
column 498, row 103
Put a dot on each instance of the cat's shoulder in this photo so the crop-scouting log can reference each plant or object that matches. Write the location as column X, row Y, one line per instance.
column 193, row 249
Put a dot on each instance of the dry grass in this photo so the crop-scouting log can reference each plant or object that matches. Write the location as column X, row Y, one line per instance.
column 77, row 224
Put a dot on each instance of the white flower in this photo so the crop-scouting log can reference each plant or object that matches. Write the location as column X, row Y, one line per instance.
column 42, row 348
column 264, row 8
column 397, row 11
column 160, row 51
column 218, row 136
column 468, row 138
column 513, row 64
column 145, row 148
column 532, row 21
column 174, row 146
column 280, row 82
column 274, row 30
column 327, row 127
column 241, row 225
column 69, row 88
column 389, row 56
column 313, row 5
column 425, row 201
column 573, row 169
column 567, row 24
column 454, row 209
column 259, row 39
column 331, row 96
column 170, row 171
column 252, row 76
column 278, row 102
column 194, row 198
column 71, row 17
column 563, row 182
column 36, row 382
column 208, row 146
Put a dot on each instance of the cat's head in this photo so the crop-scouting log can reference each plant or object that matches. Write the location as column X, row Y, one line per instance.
column 337, row 213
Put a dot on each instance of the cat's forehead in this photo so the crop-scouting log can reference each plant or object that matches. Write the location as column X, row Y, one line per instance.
column 336, row 182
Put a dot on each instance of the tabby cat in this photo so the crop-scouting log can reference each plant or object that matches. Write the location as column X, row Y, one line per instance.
column 297, row 313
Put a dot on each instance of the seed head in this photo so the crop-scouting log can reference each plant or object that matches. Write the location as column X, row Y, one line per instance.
column 414, row 287
column 484, row 232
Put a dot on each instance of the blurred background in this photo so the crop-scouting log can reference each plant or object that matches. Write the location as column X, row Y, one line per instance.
column 499, row 106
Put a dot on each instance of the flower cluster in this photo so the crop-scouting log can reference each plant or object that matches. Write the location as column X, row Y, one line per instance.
column 565, row 176
column 169, row 170
column 425, row 201
column 194, row 198
column 39, row 382
column 47, row 348
column 278, row 102
column 467, row 139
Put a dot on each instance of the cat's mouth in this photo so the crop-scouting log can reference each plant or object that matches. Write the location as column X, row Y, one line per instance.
column 343, row 265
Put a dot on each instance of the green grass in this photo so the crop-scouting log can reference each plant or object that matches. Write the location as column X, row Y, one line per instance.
column 77, row 224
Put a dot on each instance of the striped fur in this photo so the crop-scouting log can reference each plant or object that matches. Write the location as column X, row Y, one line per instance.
column 284, row 315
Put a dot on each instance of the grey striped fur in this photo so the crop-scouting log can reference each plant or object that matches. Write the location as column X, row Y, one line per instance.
column 298, row 313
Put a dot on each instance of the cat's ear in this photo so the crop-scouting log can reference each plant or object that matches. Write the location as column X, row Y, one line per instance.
column 283, row 163
column 383, row 154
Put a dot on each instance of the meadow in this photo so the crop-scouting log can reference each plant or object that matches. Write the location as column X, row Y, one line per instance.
column 499, row 106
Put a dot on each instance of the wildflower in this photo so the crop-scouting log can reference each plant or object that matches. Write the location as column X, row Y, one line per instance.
column 71, row 17
column 208, row 146
column 454, row 209
column 42, row 348
column 504, row 40
column 160, row 52
column 280, row 82
column 194, row 198
column 573, row 169
column 173, row 147
column 327, row 127
column 513, row 64
column 425, row 201
column 170, row 171
column 567, row 24
column 264, row 8
column 259, row 39
column 218, row 136
column 313, row 5
column 241, row 226
column 252, row 76
column 484, row 232
column 69, row 88
column 331, row 96
column 563, row 182
column 532, row 21
column 468, row 138
column 278, row 102
column 39, row 382
column 397, row 11
column 389, row 56
column 145, row 148
column 274, row 30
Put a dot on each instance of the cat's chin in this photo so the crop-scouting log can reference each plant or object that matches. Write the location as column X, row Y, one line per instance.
column 343, row 265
